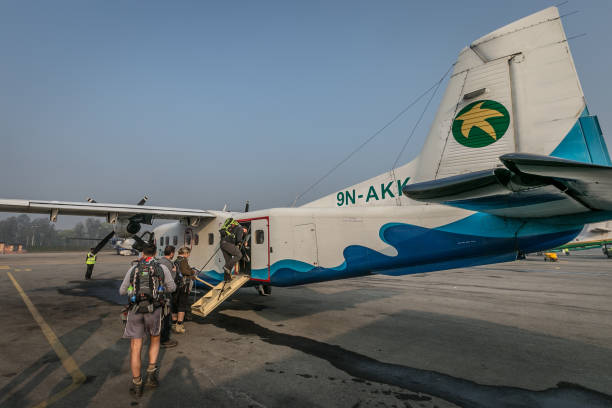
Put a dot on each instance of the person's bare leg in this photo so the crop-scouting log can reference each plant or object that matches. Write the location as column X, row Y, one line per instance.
column 181, row 317
column 153, row 350
column 135, row 348
column 174, row 317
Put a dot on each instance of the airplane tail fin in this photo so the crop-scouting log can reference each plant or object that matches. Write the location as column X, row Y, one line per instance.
column 513, row 90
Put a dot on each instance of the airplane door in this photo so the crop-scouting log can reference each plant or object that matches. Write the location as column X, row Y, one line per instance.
column 305, row 244
column 260, row 249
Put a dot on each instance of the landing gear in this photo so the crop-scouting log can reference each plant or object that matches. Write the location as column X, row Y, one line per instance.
column 263, row 290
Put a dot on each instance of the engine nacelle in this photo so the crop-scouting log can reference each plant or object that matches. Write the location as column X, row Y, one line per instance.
column 124, row 228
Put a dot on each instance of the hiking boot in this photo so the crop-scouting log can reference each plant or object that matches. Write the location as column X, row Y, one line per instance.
column 169, row 344
column 180, row 329
column 227, row 275
column 152, row 380
column 136, row 388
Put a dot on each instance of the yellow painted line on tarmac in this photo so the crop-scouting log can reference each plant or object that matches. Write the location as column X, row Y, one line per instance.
column 4, row 267
column 67, row 361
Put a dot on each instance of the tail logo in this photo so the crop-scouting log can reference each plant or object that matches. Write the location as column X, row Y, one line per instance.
column 481, row 123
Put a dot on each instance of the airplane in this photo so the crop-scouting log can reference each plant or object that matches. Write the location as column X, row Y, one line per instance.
column 514, row 162
column 598, row 235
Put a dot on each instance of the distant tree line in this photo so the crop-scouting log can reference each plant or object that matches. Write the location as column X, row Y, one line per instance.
column 40, row 234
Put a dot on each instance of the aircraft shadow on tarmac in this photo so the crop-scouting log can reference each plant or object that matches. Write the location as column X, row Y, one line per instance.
column 462, row 392
column 308, row 303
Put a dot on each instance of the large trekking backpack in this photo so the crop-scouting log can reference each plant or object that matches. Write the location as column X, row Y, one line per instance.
column 147, row 277
column 181, row 280
column 225, row 231
column 178, row 278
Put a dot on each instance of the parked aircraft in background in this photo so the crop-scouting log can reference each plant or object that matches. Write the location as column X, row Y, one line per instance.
column 598, row 235
column 514, row 161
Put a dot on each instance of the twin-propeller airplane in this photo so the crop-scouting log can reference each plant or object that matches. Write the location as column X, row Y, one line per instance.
column 514, row 162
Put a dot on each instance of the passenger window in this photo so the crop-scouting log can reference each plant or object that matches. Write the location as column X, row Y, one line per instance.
column 196, row 239
column 175, row 240
column 167, row 241
column 161, row 241
column 259, row 236
column 211, row 238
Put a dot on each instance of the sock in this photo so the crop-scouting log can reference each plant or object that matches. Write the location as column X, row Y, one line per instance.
column 151, row 368
column 174, row 322
column 179, row 322
column 137, row 380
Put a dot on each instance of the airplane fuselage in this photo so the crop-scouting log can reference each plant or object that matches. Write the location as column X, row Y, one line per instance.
column 293, row 246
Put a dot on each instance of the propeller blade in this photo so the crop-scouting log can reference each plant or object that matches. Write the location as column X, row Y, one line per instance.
column 246, row 207
column 103, row 242
column 143, row 200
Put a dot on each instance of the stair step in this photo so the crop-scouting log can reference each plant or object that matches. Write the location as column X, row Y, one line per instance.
column 217, row 295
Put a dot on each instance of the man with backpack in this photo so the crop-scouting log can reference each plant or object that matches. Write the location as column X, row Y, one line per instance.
column 232, row 235
column 184, row 280
column 166, row 260
column 145, row 283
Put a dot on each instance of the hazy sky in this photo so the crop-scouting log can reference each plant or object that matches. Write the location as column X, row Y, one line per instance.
column 197, row 104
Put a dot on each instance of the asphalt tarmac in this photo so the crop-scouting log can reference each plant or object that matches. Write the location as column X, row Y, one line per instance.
column 526, row 333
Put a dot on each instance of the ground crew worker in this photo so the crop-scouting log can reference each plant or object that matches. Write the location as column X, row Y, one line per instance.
column 232, row 234
column 166, row 260
column 90, row 261
column 184, row 279
column 148, row 321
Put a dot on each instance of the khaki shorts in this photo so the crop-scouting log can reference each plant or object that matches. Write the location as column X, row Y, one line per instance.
column 140, row 324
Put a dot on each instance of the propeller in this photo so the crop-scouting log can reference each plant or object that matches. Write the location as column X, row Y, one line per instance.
column 103, row 242
column 246, row 207
column 140, row 243
column 134, row 223
column 143, row 200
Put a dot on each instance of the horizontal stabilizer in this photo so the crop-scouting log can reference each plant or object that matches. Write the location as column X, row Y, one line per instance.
column 529, row 186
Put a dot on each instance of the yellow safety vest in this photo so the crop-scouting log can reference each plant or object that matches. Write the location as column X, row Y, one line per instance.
column 91, row 259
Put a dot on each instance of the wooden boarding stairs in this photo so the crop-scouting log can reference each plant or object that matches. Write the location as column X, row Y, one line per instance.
column 217, row 295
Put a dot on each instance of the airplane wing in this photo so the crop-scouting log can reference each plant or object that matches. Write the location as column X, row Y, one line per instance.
column 530, row 186
column 111, row 211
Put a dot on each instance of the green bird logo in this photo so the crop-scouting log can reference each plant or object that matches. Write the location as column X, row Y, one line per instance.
column 481, row 123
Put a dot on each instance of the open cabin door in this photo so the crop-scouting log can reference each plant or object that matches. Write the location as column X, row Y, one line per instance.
column 259, row 245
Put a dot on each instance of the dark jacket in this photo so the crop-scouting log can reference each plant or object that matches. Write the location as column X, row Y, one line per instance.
column 237, row 235
column 184, row 268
